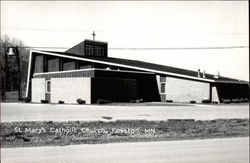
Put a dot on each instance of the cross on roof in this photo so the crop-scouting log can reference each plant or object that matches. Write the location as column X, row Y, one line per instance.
column 93, row 35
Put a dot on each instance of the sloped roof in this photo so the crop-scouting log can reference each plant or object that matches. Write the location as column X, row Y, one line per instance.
column 154, row 67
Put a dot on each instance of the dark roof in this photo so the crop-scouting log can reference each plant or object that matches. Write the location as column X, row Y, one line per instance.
column 153, row 66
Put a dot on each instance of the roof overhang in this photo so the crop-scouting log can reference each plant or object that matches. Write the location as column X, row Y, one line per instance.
column 231, row 82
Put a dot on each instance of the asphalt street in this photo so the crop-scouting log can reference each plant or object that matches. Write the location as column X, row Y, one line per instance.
column 226, row 150
column 56, row 112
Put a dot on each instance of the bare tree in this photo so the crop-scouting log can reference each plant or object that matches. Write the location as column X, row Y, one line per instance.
column 6, row 42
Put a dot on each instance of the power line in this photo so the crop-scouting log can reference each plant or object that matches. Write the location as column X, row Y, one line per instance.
column 161, row 48
column 182, row 48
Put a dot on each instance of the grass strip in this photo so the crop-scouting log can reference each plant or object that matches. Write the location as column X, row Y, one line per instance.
column 46, row 133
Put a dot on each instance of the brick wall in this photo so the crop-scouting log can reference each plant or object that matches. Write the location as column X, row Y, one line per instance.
column 70, row 89
column 180, row 90
column 38, row 89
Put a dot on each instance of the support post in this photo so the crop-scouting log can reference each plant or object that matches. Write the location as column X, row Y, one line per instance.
column 19, row 77
column 210, row 92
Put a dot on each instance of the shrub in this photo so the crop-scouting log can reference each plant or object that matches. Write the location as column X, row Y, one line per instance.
column 245, row 100
column 214, row 102
column 241, row 99
column 44, row 101
column 235, row 100
column 26, row 100
column 226, row 101
column 137, row 101
column 192, row 102
column 169, row 101
column 133, row 101
column 103, row 101
column 140, row 100
column 80, row 101
column 60, row 102
column 205, row 101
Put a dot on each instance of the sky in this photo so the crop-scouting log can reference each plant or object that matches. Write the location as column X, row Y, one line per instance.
column 141, row 24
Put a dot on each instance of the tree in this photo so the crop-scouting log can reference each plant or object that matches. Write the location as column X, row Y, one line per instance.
column 6, row 42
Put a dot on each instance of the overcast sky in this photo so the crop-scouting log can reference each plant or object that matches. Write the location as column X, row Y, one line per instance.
column 126, row 24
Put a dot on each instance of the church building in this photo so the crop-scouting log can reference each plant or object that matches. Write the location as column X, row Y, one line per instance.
column 85, row 71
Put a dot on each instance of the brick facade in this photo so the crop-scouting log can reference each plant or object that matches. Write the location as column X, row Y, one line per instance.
column 38, row 87
column 180, row 90
column 70, row 89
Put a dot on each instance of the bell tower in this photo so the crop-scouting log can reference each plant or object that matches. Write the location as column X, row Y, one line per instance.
column 12, row 79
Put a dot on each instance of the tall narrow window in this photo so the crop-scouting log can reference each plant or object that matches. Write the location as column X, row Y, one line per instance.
column 96, row 50
column 89, row 50
column 163, row 85
column 48, row 86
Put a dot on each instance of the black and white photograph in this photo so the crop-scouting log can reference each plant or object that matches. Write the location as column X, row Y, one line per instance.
column 124, row 81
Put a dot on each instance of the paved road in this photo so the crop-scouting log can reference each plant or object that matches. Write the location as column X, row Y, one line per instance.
column 40, row 112
column 230, row 150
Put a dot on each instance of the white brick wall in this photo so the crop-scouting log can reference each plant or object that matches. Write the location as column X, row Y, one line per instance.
column 70, row 89
column 38, row 89
column 180, row 90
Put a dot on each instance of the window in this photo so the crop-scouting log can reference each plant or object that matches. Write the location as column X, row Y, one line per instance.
column 94, row 50
column 101, row 51
column 163, row 85
column 89, row 50
column 98, row 51
column 48, row 86
column 162, row 79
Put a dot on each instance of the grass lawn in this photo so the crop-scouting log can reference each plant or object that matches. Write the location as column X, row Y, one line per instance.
column 44, row 133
